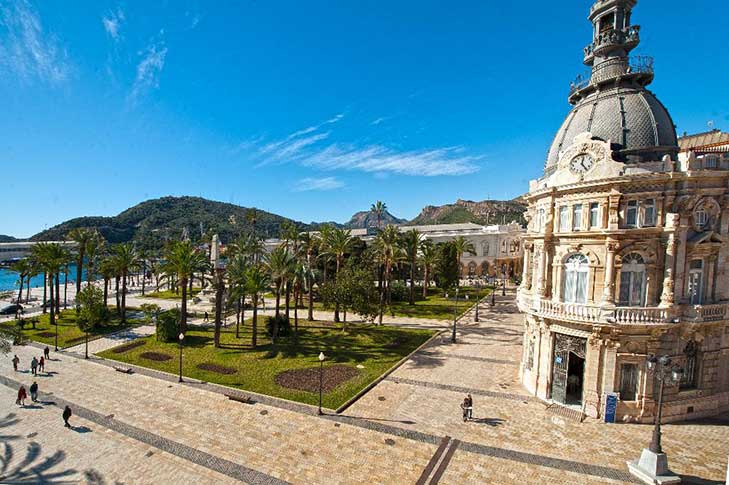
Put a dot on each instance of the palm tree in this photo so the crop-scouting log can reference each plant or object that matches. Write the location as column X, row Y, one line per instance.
column 125, row 259
column 237, row 270
column 340, row 241
column 389, row 253
column 309, row 243
column 107, row 270
column 182, row 260
column 379, row 208
column 411, row 244
column 81, row 236
column 23, row 268
column 463, row 246
column 325, row 233
column 429, row 256
column 95, row 246
column 51, row 258
column 257, row 282
column 299, row 279
column 142, row 257
column 279, row 264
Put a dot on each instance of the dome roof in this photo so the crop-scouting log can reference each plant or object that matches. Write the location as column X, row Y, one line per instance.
column 637, row 124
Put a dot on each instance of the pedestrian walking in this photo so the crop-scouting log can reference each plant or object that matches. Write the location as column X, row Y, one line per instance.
column 66, row 415
column 469, row 407
column 22, row 395
column 34, row 392
column 16, row 361
column 34, row 366
column 205, row 319
column 41, row 364
column 47, row 353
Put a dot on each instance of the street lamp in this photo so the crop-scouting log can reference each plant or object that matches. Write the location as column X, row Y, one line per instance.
column 181, row 337
column 455, row 310
column 478, row 298
column 652, row 467
column 503, row 281
column 321, row 377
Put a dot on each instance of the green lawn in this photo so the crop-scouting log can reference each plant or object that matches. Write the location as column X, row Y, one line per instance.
column 435, row 306
column 170, row 294
column 68, row 331
column 375, row 348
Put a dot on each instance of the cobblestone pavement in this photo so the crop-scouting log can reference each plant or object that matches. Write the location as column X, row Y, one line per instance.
column 113, row 340
column 513, row 432
column 407, row 429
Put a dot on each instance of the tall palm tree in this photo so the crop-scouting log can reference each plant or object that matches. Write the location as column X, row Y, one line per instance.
column 51, row 258
column 462, row 246
column 23, row 268
column 95, row 247
column 107, row 269
column 125, row 259
column 378, row 208
column 340, row 242
column 299, row 279
column 309, row 244
column 257, row 282
column 411, row 244
column 81, row 236
column 237, row 270
column 279, row 264
column 389, row 252
column 325, row 233
column 182, row 259
column 429, row 256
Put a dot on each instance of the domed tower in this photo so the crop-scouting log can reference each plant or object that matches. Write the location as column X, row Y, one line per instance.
column 627, row 248
column 612, row 102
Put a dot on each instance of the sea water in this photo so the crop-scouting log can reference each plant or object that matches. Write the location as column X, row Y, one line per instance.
column 9, row 279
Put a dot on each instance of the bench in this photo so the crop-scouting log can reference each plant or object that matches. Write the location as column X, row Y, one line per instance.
column 241, row 399
column 124, row 370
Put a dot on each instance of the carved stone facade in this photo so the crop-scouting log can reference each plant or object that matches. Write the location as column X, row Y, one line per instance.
column 626, row 257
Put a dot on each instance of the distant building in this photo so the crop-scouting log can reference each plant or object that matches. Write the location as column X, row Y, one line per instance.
column 498, row 247
column 13, row 251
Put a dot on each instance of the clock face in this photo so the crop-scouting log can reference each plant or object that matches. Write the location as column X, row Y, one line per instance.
column 581, row 163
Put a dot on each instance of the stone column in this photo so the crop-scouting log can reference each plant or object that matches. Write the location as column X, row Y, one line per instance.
column 608, row 294
column 526, row 270
column 710, row 291
column 667, row 294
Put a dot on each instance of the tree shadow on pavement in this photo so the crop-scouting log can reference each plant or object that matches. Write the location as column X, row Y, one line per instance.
column 33, row 468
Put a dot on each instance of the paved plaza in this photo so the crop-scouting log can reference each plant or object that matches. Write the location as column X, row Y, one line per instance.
column 147, row 428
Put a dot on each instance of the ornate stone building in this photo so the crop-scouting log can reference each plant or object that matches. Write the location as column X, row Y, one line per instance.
column 626, row 248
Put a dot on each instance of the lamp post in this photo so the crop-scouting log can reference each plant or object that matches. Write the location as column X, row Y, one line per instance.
column 478, row 298
column 455, row 310
column 181, row 337
column 652, row 467
column 321, row 377
column 503, row 280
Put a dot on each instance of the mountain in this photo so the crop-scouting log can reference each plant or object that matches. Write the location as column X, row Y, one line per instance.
column 153, row 221
column 4, row 238
column 485, row 212
column 364, row 219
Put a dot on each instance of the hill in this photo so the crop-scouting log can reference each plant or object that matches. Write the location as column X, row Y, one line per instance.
column 485, row 212
column 364, row 219
column 4, row 238
column 153, row 221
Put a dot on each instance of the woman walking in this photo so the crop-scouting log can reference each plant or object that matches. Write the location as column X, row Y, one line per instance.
column 16, row 361
column 41, row 364
column 66, row 415
column 22, row 395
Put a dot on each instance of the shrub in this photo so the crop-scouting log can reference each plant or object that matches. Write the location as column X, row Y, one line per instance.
column 277, row 326
column 168, row 323
column 399, row 291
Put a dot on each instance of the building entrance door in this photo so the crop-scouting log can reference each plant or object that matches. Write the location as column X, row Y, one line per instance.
column 568, row 369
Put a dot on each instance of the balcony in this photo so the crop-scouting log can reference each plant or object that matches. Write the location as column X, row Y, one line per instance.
column 608, row 315
column 626, row 38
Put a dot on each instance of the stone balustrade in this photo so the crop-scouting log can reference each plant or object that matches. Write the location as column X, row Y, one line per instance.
column 609, row 315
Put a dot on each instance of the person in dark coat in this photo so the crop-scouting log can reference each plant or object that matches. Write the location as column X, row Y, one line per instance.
column 66, row 415
column 34, row 392
column 22, row 395
column 469, row 406
column 34, row 366
column 16, row 361
column 47, row 352
column 41, row 364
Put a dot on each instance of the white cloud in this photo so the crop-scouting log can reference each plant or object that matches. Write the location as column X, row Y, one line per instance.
column 26, row 49
column 148, row 70
column 112, row 23
column 309, row 183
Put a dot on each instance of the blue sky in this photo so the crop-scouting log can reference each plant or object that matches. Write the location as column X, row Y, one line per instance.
column 313, row 109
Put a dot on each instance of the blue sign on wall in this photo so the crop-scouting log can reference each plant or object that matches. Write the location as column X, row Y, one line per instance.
column 611, row 404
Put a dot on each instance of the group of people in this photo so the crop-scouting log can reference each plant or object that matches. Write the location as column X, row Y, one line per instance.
column 37, row 365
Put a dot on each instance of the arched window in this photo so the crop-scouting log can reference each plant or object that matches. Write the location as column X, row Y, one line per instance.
column 632, row 281
column 471, row 269
column 485, row 248
column 690, row 371
column 575, row 279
